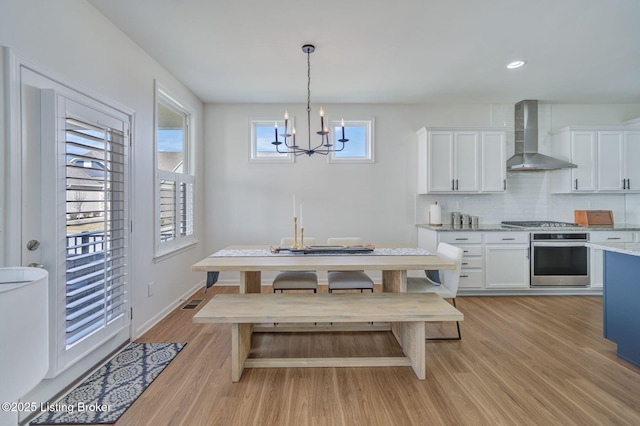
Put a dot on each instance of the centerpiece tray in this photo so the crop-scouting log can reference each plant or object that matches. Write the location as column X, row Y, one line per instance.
column 363, row 249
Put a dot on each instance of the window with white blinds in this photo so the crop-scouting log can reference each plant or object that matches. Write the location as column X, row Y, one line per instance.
column 174, row 175
column 96, row 228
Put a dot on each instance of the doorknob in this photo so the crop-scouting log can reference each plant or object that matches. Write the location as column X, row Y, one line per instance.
column 33, row 245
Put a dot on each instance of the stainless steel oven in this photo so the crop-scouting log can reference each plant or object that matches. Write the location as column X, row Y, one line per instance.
column 559, row 259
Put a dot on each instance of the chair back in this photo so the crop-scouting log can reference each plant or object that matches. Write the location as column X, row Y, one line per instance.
column 288, row 242
column 450, row 277
column 344, row 241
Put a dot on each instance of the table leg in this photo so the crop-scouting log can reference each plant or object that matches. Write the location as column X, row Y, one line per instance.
column 240, row 348
column 250, row 282
column 394, row 281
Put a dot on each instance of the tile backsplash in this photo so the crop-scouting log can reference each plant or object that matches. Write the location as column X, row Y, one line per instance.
column 528, row 197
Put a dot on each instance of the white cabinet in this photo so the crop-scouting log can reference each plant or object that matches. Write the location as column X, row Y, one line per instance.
column 471, row 272
column 494, row 160
column 595, row 255
column 605, row 160
column 506, row 256
column 461, row 161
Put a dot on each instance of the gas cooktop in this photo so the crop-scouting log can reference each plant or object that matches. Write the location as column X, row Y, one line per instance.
column 538, row 224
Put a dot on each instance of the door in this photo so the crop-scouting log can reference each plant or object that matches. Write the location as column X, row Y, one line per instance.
column 440, row 161
column 467, row 161
column 631, row 155
column 610, row 161
column 583, row 154
column 75, row 202
column 494, row 162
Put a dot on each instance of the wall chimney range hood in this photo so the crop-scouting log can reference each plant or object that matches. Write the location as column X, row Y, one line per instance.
column 527, row 157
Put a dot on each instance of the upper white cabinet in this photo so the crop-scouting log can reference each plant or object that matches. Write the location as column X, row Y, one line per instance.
column 461, row 161
column 604, row 158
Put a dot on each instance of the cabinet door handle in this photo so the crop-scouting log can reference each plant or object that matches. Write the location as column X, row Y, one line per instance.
column 504, row 184
column 508, row 239
column 456, row 184
column 624, row 184
column 464, row 276
column 576, row 185
column 628, row 183
column 613, row 238
column 465, row 251
column 461, row 239
column 453, row 184
column 529, row 253
column 465, row 263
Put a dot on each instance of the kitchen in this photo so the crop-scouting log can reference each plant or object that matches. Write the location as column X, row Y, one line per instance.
column 548, row 255
column 239, row 202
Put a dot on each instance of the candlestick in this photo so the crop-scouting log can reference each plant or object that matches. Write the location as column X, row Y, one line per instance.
column 301, row 236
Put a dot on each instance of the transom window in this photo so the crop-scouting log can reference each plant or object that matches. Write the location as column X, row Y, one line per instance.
column 359, row 148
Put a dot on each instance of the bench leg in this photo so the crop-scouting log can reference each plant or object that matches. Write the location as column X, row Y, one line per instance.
column 411, row 338
column 240, row 348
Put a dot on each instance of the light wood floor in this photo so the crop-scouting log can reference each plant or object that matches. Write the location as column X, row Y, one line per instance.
column 521, row 361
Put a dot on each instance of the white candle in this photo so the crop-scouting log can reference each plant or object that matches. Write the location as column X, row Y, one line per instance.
column 300, row 215
column 294, row 205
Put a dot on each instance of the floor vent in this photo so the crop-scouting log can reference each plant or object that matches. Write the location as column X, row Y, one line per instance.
column 192, row 304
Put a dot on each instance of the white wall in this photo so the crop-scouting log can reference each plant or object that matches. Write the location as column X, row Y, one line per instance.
column 73, row 43
column 248, row 203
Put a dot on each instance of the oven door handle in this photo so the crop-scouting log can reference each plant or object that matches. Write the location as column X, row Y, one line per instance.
column 567, row 244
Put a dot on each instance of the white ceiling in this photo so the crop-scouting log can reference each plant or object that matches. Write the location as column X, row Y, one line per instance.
column 392, row 51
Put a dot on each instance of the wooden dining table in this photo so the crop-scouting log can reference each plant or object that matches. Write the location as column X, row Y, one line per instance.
column 250, row 261
column 248, row 312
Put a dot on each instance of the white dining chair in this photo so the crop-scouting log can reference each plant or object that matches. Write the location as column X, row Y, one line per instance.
column 348, row 280
column 296, row 280
column 445, row 285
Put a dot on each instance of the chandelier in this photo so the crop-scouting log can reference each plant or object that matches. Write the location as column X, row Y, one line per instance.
column 324, row 147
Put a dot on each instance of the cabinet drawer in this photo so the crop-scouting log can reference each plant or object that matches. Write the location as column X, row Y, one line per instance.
column 457, row 238
column 471, row 262
column 470, row 251
column 471, row 279
column 507, row 237
column 610, row 237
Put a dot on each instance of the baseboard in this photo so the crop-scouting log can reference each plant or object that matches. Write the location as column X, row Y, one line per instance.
column 166, row 311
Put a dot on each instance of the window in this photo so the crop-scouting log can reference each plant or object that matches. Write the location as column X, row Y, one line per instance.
column 262, row 135
column 174, row 177
column 359, row 148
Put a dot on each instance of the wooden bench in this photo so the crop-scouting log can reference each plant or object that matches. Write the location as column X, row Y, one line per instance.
column 407, row 313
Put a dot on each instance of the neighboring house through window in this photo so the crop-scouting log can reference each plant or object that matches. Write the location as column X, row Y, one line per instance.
column 175, row 175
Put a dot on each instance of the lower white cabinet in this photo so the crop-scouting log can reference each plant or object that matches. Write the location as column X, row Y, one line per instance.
column 595, row 256
column 506, row 257
column 472, row 271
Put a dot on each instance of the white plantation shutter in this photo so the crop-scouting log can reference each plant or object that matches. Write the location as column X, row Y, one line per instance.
column 96, row 224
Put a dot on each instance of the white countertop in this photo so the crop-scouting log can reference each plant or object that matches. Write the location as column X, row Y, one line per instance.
column 492, row 227
column 632, row 249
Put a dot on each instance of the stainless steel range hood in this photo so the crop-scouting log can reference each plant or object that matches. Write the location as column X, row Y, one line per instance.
column 527, row 157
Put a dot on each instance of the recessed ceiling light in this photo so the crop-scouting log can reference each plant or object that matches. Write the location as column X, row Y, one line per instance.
column 515, row 64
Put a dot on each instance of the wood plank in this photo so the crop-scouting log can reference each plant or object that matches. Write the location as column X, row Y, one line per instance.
column 321, row 263
column 396, row 361
column 339, row 308
column 240, row 348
